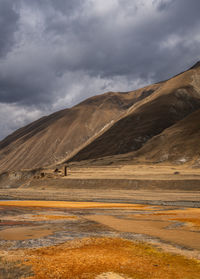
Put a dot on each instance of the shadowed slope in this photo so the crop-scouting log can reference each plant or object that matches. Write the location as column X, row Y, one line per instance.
column 179, row 143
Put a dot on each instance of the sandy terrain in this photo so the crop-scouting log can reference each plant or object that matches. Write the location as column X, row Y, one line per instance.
column 161, row 229
column 25, row 233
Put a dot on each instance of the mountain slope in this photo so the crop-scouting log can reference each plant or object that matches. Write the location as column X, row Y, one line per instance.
column 170, row 103
column 179, row 143
column 110, row 124
column 52, row 138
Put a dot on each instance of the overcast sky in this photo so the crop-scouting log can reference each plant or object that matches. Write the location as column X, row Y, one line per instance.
column 55, row 53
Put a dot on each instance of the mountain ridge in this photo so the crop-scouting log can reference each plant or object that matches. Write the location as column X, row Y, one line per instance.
column 109, row 124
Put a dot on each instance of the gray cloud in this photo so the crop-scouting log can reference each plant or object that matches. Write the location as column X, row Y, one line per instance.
column 54, row 54
column 8, row 26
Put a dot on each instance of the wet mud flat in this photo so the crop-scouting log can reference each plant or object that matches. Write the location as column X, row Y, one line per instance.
column 98, row 240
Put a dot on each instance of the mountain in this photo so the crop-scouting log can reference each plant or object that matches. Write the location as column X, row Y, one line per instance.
column 172, row 102
column 141, row 123
column 53, row 138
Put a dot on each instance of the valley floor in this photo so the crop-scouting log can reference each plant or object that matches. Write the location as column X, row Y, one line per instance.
column 51, row 239
column 121, row 222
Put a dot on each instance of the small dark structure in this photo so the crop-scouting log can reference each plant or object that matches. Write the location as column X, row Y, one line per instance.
column 65, row 170
column 176, row 172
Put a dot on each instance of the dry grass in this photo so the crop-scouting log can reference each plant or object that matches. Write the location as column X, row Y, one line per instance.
column 136, row 171
column 87, row 258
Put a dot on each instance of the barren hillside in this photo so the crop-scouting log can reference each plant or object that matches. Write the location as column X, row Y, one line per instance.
column 172, row 102
column 53, row 138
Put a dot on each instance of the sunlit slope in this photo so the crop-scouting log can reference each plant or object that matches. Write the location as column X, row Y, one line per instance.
column 53, row 138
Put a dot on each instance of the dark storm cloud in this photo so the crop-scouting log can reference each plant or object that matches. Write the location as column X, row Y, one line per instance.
column 53, row 53
column 8, row 25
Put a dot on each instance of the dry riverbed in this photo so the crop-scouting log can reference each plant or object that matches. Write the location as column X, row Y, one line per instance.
column 77, row 240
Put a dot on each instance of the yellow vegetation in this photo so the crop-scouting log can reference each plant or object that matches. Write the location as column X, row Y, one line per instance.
column 66, row 204
column 87, row 258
